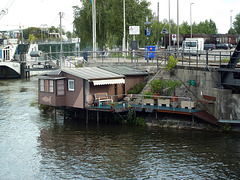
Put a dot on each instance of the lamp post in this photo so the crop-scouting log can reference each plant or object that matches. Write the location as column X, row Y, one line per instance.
column 177, row 25
column 169, row 26
column 191, row 17
column 124, row 32
column 231, row 19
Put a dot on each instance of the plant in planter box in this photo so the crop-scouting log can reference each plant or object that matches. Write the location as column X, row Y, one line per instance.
column 157, row 86
column 173, row 84
column 148, row 97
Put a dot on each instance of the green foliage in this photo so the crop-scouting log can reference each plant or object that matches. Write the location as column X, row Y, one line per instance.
column 172, row 84
column 32, row 38
column 148, row 95
column 171, row 63
column 140, row 121
column 226, row 127
column 136, row 89
column 77, row 65
column 158, row 85
column 236, row 24
column 164, row 87
column 109, row 20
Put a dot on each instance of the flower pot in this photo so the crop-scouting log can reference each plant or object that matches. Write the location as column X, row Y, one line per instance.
column 174, row 98
column 156, row 95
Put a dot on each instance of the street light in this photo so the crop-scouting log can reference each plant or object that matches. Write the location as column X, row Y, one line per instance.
column 177, row 25
column 231, row 19
column 191, row 17
column 169, row 26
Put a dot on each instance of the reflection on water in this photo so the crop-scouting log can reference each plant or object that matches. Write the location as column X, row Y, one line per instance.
column 38, row 146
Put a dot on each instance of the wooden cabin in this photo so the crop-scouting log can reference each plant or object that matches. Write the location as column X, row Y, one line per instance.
column 79, row 87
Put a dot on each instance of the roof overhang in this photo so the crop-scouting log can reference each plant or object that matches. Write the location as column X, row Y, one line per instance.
column 51, row 77
column 108, row 81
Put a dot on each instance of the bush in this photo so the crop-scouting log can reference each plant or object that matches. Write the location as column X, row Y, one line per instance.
column 171, row 63
column 136, row 89
column 148, row 95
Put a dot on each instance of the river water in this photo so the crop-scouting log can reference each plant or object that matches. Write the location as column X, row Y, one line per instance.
column 34, row 145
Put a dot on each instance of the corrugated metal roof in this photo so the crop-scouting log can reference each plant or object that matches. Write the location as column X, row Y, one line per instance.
column 91, row 73
column 124, row 70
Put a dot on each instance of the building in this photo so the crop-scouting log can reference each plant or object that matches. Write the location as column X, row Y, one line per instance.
column 77, row 87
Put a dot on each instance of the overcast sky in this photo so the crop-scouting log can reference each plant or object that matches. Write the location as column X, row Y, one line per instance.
column 34, row 13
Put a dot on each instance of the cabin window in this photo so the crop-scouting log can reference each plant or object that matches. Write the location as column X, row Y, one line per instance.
column 60, row 87
column 51, row 86
column 71, row 85
column 41, row 85
column 46, row 85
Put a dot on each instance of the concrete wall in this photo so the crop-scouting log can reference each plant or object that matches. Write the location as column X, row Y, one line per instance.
column 226, row 106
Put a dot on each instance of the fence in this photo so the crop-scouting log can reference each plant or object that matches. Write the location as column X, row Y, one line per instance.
column 204, row 58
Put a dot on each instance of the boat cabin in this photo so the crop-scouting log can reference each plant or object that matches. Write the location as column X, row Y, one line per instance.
column 81, row 87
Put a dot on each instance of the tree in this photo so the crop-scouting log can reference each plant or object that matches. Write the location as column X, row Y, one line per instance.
column 109, row 16
column 184, row 28
column 206, row 27
column 236, row 24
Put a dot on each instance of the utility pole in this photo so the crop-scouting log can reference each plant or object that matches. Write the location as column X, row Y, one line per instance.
column 177, row 25
column 191, row 17
column 169, row 27
column 61, row 48
column 94, row 28
column 158, row 26
column 124, row 31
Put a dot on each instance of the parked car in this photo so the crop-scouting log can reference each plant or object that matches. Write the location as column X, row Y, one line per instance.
column 209, row 47
column 221, row 46
column 230, row 46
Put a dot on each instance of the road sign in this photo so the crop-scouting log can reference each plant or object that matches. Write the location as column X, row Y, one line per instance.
column 147, row 32
column 164, row 30
column 174, row 37
column 134, row 30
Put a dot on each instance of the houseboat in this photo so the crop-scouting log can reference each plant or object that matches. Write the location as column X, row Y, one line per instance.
column 83, row 87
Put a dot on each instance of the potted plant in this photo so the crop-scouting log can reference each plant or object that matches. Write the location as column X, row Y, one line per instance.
column 148, row 98
column 157, row 87
column 173, row 84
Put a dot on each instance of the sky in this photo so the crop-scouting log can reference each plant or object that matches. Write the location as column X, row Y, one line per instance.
column 42, row 13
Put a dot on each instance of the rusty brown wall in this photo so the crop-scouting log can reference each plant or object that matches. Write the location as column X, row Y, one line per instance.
column 74, row 98
column 50, row 99
column 132, row 80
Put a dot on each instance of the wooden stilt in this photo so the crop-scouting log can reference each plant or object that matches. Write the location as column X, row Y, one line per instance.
column 97, row 117
column 86, row 116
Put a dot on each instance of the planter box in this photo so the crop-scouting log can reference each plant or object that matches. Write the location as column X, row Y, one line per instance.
column 148, row 102
column 188, row 104
column 165, row 102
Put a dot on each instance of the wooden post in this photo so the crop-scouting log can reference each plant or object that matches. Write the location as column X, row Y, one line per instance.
column 87, row 116
column 97, row 117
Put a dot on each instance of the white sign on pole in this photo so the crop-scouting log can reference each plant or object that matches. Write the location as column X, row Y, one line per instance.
column 134, row 30
column 174, row 37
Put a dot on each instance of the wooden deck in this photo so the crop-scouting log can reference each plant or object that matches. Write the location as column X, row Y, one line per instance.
column 148, row 108
column 203, row 115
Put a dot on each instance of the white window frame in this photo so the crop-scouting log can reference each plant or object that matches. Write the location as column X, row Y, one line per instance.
column 51, row 86
column 42, row 88
column 71, row 85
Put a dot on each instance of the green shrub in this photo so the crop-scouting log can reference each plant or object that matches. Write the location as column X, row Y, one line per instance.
column 171, row 63
column 148, row 95
column 136, row 89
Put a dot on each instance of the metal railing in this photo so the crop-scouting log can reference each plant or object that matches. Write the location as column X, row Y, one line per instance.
column 142, row 101
column 152, row 58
